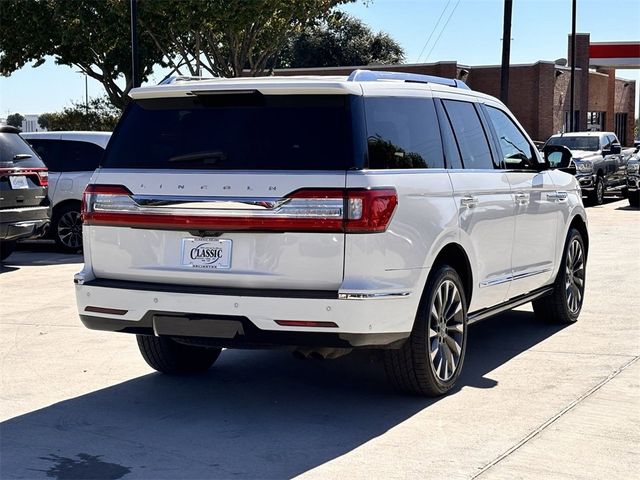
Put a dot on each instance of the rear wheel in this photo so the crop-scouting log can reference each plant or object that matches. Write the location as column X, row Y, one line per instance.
column 634, row 199
column 67, row 227
column 431, row 359
column 6, row 249
column 168, row 356
column 565, row 303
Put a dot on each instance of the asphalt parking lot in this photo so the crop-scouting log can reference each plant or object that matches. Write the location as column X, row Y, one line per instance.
column 535, row 400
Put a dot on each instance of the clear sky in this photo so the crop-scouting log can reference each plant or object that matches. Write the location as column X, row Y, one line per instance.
column 471, row 36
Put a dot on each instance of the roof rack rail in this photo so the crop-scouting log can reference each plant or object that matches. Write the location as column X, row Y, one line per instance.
column 181, row 78
column 372, row 76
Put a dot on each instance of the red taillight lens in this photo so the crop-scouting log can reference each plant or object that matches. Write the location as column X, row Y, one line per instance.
column 105, row 199
column 370, row 211
column 43, row 178
column 306, row 210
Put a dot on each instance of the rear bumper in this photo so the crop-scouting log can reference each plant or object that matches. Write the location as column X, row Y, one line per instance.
column 27, row 229
column 247, row 319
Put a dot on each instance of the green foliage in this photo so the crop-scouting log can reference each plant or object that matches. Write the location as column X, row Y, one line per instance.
column 341, row 40
column 100, row 116
column 15, row 120
column 219, row 37
column 229, row 38
column 92, row 35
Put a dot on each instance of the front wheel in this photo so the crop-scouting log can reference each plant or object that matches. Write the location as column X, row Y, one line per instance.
column 168, row 356
column 597, row 196
column 634, row 199
column 431, row 359
column 563, row 305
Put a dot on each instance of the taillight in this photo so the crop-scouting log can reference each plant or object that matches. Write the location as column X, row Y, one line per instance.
column 105, row 197
column 43, row 178
column 38, row 175
column 337, row 210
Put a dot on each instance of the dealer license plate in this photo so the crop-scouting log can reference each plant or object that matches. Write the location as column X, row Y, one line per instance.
column 18, row 182
column 206, row 253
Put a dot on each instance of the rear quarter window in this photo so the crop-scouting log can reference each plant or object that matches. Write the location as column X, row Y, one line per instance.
column 68, row 155
column 402, row 133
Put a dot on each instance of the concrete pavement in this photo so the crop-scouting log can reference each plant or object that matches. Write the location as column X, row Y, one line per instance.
column 535, row 400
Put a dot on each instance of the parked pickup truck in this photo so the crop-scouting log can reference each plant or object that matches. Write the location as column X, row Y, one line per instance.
column 600, row 162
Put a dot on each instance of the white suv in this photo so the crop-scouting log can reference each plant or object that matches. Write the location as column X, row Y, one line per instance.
column 322, row 214
column 71, row 158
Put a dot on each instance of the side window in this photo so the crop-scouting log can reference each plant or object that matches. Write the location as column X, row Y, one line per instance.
column 606, row 142
column 49, row 151
column 403, row 133
column 80, row 156
column 516, row 151
column 470, row 134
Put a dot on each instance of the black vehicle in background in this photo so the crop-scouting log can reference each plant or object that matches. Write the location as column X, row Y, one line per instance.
column 24, row 207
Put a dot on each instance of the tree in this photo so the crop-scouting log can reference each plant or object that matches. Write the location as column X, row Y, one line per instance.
column 341, row 40
column 220, row 36
column 230, row 38
column 100, row 116
column 15, row 120
column 44, row 120
column 92, row 35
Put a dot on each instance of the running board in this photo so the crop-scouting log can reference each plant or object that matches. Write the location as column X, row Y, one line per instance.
column 508, row 305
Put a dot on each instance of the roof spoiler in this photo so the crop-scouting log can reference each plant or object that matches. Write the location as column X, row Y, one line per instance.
column 373, row 76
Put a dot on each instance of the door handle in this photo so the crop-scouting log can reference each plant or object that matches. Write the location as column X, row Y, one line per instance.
column 522, row 198
column 557, row 196
column 468, row 201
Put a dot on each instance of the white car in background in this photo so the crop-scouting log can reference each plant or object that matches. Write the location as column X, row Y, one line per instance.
column 71, row 158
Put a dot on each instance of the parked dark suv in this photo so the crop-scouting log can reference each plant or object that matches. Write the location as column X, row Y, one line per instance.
column 24, row 207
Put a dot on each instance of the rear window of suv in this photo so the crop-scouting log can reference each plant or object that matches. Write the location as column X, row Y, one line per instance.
column 15, row 152
column 240, row 131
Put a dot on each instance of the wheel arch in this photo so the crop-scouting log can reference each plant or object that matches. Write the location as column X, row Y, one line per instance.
column 64, row 203
column 580, row 224
column 454, row 255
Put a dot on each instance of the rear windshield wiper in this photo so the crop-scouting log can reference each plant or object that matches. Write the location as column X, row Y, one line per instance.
column 22, row 156
column 207, row 157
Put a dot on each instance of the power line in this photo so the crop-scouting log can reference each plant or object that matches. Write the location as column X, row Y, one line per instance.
column 433, row 31
column 443, row 29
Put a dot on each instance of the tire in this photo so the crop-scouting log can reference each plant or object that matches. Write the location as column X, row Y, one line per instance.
column 634, row 199
column 6, row 249
column 66, row 227
column 420, row 366
column 597, row 196
column 168, row 356
column 565, row 303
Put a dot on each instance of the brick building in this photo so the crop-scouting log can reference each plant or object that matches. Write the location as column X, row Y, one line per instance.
column 538, row 92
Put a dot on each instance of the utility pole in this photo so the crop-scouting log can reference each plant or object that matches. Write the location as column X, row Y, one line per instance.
column 506, row 52
column 573, row 68
column 86, row 93
column 135, row 75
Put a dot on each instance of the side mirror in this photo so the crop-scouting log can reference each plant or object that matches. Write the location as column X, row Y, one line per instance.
column 559, row 157
column 615, row 149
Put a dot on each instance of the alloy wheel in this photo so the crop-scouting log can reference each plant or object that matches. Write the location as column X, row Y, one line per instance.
column 69, row 229
column 446, row 330
column 574, row 281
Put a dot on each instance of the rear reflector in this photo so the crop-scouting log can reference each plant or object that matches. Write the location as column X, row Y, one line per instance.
column 307, row 210
column 109, row 311
column 305, row 323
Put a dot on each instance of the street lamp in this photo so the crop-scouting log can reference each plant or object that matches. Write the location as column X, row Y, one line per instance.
column 86, row 91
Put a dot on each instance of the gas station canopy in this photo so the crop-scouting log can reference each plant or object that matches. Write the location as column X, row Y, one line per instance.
column 614, row 54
